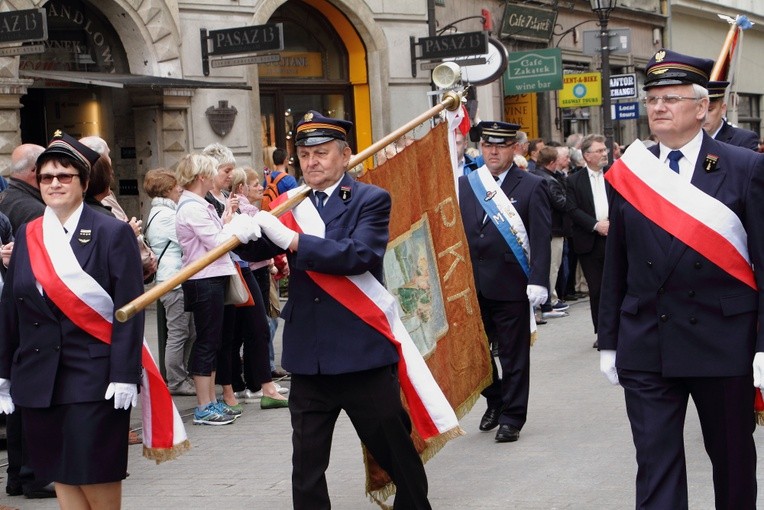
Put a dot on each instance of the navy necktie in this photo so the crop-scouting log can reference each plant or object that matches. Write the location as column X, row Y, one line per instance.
column 674, row 157
column 320, row 196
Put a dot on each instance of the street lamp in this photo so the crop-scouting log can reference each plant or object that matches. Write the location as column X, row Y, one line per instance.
column 602, row 8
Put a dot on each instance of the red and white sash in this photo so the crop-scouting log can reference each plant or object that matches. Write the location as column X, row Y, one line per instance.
column 697, row 219
column 430, row 411
column 91, row 308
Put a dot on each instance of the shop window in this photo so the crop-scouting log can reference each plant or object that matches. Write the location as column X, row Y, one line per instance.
column 749, row 112
column 312, row 49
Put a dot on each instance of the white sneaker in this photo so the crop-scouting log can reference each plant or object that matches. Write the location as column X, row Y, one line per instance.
column 250, row 397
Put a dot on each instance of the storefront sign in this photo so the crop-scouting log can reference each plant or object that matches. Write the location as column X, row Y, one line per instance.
column 454, row 45
column 259, row 38
column 522, row 109
column 623, row 86
column 26, row 25
column 293, row 64
column 533, row 71
column 526, row 23
column 624, row 111
column 584, row 89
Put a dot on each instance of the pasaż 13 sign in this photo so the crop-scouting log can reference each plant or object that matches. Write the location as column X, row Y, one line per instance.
column 254, row 39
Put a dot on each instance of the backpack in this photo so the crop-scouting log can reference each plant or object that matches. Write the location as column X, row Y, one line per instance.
column 271, row 190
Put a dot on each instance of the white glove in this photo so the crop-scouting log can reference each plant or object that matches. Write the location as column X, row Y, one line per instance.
column 125, row 395
column 537, row 295
column 607, row 366
column 281, row 235
column 6, row 403
column 758, row 370
column 244, row 227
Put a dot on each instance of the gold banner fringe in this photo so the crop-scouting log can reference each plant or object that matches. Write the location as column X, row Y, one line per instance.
column 760, row 418
column 164, row 454
column 534, row 337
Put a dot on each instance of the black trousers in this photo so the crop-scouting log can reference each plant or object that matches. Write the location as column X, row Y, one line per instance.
column 372, row 401
column 657, row 406
column 250, row 328
column 507, row 324
column 592, row 264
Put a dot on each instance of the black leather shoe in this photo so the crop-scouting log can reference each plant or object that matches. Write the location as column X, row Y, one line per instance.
column 47, row 491
column 507, row 434
column 490, row 419
column 14, row 488
column 596, row 345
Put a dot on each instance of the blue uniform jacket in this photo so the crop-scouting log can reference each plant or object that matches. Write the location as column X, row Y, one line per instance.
column 666, row 308
column 738, row 136
column 51, row 361
column 320, row 335
column 498, row 275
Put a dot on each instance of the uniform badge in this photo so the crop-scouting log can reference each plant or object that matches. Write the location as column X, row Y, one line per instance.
column 660, row 56
column 489, row 195
column 512, row 200
column 308, row 117
column 344, row 193
column 709, row 164
column 84, row 236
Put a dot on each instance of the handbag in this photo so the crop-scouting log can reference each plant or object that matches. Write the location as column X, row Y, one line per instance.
column 237, row 292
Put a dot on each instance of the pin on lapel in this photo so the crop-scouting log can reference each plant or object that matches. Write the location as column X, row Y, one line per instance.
column 512, row 200
column 710, row 162
column 489, row 195
column 84, row 236
column 344, row 193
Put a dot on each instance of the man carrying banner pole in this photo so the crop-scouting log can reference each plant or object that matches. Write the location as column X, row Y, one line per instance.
column 507, row 220
column 344, row 343
column 681, row 294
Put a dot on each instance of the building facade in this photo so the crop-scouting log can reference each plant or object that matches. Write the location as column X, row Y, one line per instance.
column 133, row 72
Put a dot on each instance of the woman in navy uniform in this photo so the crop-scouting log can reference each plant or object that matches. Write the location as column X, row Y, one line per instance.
column 75, row 390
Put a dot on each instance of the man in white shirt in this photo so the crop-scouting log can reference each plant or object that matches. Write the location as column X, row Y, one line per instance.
column 587, row 207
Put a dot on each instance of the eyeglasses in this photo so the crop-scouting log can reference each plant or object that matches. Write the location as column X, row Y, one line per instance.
column 668, row 99
column 63, row 178
column 599, row 151
column 488, row 146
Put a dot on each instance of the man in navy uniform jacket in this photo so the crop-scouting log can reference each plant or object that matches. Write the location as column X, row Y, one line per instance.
column 716, row 123
column 673, row 324
column 337, row 361
column 506, row 293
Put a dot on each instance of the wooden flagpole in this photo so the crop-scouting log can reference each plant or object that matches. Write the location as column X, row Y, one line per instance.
column 450, row 101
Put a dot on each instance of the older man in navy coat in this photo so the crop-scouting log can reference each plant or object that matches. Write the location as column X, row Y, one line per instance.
column 507, row 287
column 673, row 324
column 337, row 361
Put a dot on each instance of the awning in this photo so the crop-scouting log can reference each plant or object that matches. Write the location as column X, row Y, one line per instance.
column 134, row 81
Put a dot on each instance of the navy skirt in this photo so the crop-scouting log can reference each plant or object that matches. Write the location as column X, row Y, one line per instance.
column 78, row 444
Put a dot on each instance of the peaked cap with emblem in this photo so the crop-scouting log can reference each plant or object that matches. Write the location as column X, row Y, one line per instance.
column 66, row 145
column 668, row 67
column 315, row 129
column 716, row 89
column 493, row 131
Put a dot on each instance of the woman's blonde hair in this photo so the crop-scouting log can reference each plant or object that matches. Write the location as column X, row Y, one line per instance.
column 252, row 174
column 194, row 165
column 238, row 177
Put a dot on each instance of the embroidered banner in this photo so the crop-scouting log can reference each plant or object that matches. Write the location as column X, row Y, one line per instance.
column 428, row 270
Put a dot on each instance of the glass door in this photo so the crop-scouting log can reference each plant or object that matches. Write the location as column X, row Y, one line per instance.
column 282, row 110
